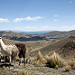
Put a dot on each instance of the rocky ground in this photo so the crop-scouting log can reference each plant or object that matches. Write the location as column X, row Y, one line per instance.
column 33, row 70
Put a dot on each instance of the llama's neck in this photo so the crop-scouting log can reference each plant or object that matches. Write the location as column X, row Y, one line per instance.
column 2, row 44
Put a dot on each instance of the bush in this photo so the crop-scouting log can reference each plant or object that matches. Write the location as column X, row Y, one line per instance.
column 53, row 60
column 72, row 64
column 67, row 68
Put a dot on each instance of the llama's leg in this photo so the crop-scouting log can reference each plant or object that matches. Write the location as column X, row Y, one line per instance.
column 14, row 60
column 0, row 58
column 10, row 60
column 24, row 61
column 20, row 61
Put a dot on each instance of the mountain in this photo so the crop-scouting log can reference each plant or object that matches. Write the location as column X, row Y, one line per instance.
column 20, row 36
column 38, row 32
column 59, row 35
column 54, row 35
column 65, row 47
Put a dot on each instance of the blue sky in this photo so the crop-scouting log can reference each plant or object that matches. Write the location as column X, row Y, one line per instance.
column 37, row 15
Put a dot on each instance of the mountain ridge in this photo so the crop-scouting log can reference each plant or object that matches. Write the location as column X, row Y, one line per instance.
column 35, row 37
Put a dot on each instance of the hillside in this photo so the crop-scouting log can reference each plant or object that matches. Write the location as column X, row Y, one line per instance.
column 58, row 34
column 30, row 45
column 45, row 46
column 58, row 47
column 34, row 37
column 20, row 36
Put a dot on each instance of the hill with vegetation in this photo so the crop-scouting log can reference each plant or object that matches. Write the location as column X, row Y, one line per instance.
column 65, row 47
column 55, row 35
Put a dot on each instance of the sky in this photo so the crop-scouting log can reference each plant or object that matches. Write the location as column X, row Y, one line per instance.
column 37, row 15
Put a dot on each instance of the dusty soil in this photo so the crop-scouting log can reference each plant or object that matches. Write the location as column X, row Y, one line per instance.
column 34, row 70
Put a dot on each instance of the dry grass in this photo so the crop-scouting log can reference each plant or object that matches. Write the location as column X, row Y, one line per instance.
column 17, row 58
column 39, row 56
column 67, row 68
column 56, row 66
column 40, row 59
column 32, row 58
column 4, row 67
column 53, row 60
column 23, row 73
column 72, row 64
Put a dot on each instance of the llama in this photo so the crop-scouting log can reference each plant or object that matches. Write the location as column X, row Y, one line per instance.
column 22, row 52
column 7, row 50
column 13, row 50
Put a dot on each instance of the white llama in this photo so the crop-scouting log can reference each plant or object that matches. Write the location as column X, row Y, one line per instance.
column 8, row 50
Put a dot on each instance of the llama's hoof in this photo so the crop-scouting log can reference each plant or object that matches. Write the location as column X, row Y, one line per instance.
column 19, row 64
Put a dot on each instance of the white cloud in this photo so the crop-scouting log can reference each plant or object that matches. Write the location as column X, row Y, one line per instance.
column 46, row 28
column 18, row 19
column 67, row 28
column 32, row 18
column 27, row 19
column 43, row 28
column 55, row 20
column 2, row 20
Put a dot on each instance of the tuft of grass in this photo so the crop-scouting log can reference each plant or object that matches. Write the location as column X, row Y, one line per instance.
column 17, row 58
column 39, row 56
column 72, row 64
column 54, row 60
column 23, row 73
column 67, row 68
column 38, row 62
column 4, row 67
column 56, row 66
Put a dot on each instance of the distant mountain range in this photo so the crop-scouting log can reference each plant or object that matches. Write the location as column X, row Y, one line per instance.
column 38, row 32
column 35, row 36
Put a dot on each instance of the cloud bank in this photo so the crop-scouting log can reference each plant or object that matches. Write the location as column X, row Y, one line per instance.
column 27, row 19
column 46, row 28
column 2, row 20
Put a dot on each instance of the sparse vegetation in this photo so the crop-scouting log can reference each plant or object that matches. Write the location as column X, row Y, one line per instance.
column 54, row 60
column 67, row 68
column 23, row 73
column 39, row 61
column 17, row 59
column 72, row 64
column 1, row 70
column 40, row 57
